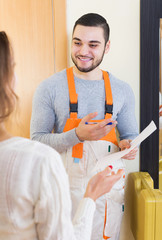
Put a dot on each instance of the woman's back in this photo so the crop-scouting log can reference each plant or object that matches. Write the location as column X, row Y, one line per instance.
column 27, row 186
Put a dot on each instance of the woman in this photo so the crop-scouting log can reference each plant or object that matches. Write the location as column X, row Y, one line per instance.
column 35, row 200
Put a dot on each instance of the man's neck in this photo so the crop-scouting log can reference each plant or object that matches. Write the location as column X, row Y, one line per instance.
column 95, row 74
column 4, row 135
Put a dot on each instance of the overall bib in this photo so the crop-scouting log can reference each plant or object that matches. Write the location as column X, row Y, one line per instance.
column 80, row 161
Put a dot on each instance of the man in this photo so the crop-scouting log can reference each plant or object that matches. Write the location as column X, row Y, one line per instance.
column 82, row 105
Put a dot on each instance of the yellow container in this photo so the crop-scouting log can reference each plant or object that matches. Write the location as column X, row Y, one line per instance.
column 145, row 207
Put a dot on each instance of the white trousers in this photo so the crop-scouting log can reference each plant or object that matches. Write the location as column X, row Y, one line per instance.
column 79, row 174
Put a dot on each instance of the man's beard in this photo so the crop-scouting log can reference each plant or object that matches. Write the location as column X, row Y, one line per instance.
column 90, row 68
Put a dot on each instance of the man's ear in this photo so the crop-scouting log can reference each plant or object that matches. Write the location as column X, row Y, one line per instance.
column 107, row 47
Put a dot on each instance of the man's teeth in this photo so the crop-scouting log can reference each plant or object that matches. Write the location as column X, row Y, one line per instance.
column 85, row 59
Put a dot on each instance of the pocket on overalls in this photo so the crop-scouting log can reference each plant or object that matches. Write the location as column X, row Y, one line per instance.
column 114, row 214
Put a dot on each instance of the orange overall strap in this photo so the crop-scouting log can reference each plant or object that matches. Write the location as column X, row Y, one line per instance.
column 77, row 151
column 108, row 93
column 72, row 92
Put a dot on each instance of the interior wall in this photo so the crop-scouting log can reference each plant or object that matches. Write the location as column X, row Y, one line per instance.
column 40, row 49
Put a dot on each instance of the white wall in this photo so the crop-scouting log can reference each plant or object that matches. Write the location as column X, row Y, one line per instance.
column 123, row 57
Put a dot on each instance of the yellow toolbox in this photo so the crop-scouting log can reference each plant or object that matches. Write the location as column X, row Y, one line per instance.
column 145, row 207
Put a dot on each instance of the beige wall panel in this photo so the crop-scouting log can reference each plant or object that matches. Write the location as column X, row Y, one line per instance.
column 30, row 26
column 60, row 36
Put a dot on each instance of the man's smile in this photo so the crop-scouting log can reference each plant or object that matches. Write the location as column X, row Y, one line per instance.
column 84, row 58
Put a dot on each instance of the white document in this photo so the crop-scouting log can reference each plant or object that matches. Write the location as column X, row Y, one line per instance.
column 104, row 162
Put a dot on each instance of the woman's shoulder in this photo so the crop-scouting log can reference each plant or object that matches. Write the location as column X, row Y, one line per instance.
column 30, row 148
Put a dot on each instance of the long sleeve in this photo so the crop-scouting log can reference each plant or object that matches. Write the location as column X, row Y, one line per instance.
column 127, row 124
column 50, row 110
column 53, row 208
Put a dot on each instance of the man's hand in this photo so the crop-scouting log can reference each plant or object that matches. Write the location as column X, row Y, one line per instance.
column 102, row 183
column 93, row 132
column 125, row 143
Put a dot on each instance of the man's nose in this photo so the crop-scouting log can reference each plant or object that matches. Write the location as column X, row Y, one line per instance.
column 84, row 49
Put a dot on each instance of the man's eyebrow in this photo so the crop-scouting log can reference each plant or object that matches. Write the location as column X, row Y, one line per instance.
column 75, row 38
column 95, row 41
column 92, row 41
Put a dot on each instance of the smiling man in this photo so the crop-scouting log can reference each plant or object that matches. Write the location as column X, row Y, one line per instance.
column 88, row 48
column 77, row 111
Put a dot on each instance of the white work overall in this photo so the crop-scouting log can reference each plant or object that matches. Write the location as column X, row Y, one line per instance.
column 80, row 161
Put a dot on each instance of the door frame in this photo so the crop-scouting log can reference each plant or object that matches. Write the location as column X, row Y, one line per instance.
column 150, row 14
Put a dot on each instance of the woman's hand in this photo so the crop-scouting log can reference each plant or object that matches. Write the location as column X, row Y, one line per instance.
column 102, row 183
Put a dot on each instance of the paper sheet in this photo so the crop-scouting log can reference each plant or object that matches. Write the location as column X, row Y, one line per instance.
column 104, row 162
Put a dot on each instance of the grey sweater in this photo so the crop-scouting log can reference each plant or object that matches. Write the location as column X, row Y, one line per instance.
column 50, row 109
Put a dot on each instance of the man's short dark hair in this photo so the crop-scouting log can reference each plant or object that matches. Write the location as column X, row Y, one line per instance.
column 94, row 20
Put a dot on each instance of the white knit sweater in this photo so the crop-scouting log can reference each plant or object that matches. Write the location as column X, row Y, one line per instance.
column 34, row 195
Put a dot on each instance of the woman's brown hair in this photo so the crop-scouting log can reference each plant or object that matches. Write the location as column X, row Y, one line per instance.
column 7, row 95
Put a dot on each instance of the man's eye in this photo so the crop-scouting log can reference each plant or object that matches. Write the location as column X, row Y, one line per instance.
column 93, row 45
column 77, row 43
